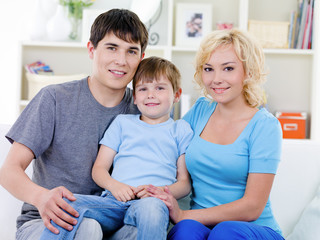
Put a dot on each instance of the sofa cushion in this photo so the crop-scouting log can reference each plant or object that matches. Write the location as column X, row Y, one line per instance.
column 296, row 181
column 308, row 225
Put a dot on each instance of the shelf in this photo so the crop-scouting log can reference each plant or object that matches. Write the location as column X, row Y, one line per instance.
column 54, row 44
column 289, row 51
column 293, row 74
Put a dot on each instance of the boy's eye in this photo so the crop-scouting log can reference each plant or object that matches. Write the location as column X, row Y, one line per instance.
column 111, row 48
column 160, row 88
column 142, row 89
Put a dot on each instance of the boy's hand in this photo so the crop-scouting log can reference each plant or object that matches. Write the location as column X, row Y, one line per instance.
column 122, row 192
column 51, row 205
column 142, row 192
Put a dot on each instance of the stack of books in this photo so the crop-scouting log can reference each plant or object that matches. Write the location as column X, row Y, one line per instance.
column 300, row 33
column 39, row 67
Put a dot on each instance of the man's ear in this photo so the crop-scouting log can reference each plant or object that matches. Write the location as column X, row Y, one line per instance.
column 142, row 56
column 177, row 95
column 134, row 98
column 90, row 48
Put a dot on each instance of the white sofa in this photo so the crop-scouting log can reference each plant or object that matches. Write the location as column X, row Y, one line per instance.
column 293, row 195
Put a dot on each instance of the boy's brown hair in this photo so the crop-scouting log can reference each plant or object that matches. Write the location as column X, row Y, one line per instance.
column 152, row 68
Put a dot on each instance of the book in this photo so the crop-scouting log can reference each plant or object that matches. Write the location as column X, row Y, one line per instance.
column 304, row 11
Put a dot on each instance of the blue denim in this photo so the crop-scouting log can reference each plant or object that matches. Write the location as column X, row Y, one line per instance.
column 231, row 230
column 150, row 216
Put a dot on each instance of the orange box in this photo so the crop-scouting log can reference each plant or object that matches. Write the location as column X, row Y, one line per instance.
column 293, row 124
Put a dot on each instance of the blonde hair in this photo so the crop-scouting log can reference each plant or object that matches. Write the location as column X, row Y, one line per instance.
column 153, row 68
column 247, row 50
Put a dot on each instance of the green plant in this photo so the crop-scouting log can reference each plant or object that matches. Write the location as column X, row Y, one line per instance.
column 75, row 7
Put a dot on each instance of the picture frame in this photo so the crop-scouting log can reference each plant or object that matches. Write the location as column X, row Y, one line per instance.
column 88, row 17
column 193, row 21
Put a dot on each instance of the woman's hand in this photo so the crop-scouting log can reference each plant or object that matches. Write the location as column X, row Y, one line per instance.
column 142, row 191
column 176, row 214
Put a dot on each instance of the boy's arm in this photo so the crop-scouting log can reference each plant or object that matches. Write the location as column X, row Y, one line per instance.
column 50, row 203
column 101, row 175
column 182, row 186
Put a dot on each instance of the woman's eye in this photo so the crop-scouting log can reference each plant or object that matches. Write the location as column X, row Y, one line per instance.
column 228, row 69
column 207, row 69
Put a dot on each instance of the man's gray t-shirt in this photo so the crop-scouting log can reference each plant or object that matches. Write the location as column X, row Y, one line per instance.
column 63, row 125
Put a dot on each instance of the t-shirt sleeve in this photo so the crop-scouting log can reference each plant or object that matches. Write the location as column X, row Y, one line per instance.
column 112, row 136
column 185, row 136
column 194, row 113
column 35, row 126
column 265, row 146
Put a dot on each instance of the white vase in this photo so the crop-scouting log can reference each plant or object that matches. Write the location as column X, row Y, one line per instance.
column 38, row 23
column 59, row 26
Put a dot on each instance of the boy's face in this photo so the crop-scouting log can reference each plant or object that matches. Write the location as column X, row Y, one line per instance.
column 155, row 99
column 115, row 62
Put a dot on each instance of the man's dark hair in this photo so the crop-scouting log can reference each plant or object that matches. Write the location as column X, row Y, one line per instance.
column 123, row 23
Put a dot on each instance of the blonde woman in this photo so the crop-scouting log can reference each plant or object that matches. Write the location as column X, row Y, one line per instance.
column 234, row 155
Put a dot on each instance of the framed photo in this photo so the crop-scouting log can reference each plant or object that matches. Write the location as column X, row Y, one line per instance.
column 193, row 21
column 88, row 17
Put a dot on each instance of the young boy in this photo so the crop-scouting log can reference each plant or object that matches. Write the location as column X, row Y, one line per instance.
column 62, row 126
column 144, row 149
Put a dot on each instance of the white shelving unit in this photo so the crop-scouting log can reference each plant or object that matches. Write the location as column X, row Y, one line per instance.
column 293, row 80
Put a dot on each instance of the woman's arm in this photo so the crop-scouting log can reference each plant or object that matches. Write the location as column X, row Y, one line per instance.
column 247, row 208
column 101, row 175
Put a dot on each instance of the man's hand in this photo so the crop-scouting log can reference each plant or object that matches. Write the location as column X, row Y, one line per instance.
column 52, row 206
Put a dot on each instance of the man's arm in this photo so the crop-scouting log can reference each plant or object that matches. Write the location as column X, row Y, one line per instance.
column 49, row 202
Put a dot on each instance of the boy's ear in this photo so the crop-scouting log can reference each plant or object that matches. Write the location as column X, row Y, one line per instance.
column 177, row 95
column 90, row 49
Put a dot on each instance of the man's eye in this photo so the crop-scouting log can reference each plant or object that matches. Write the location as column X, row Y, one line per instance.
column 111, row 48
column 132, row 52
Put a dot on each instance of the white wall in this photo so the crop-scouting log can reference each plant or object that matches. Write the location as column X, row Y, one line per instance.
column 15, row 19
column 14, row 15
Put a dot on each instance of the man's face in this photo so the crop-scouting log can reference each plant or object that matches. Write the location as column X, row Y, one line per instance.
column 115, row 62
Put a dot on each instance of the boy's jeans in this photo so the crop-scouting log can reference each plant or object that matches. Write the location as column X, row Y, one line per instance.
column 150, row 216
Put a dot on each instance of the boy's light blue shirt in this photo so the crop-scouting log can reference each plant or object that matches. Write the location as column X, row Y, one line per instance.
column 219, row 172
column 146, row 154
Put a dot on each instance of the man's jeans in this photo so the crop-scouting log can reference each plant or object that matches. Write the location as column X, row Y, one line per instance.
column 150, row 216
column 88, row 229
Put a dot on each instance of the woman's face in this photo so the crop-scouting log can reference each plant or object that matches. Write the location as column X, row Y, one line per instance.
column 223, row 75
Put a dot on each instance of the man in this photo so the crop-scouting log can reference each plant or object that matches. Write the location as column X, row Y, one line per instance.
column 61, row 127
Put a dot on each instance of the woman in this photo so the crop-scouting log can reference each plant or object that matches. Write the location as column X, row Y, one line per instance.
column 234, row 155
